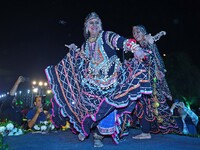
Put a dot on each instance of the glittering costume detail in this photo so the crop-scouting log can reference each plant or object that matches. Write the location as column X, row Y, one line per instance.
column 157, row 111
column 130, row 44
column 91, row 83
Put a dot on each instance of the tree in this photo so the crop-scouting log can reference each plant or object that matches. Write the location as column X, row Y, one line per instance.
column 183, row 78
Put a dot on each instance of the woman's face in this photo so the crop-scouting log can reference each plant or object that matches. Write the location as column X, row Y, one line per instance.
column 94, row 27
column 138, row 35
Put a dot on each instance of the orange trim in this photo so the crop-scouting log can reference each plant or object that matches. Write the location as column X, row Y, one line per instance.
column 137, row 74
column 128, row 90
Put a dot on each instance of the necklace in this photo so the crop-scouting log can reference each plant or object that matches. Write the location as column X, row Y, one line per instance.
column 92, row 39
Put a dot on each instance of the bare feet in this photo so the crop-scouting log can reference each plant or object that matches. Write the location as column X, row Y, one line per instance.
column 98, row 143
column 142, row 136
column 98, row 140
column 81, row 136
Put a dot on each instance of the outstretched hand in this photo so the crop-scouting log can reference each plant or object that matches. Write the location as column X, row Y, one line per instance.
column 72, row 46
column 149, row 38
column 139, row 54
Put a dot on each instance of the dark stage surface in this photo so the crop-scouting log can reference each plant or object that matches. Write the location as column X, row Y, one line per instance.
column 67, row 140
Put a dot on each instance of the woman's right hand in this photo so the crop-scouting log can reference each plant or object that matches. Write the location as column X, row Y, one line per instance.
column 72, row 47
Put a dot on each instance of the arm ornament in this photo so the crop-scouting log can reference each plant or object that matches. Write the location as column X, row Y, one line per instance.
column 130, row 45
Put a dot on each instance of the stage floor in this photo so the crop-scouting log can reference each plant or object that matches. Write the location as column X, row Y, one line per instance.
column 66, row 140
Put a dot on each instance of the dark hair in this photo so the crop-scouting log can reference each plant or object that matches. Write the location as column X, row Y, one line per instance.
column 176, row 100
column 36, row 97
column 141, row 28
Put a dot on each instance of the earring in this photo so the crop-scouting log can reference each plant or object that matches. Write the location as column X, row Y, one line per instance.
column 86, row 30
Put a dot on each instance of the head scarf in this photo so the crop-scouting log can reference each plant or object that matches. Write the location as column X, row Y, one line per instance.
column 90, row 16
column 141, row 28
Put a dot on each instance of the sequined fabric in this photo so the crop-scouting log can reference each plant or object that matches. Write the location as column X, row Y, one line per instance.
column 91, row 83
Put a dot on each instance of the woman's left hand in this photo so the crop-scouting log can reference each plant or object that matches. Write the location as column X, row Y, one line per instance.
column 149, row 38
column 139, row 54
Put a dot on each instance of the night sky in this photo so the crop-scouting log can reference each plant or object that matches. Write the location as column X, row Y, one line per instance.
column 33, row 33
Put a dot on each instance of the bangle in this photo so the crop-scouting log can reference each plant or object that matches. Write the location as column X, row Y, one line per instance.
column 131, row 45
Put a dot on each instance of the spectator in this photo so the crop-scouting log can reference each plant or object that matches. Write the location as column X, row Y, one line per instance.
column 8, row 109
column 37, row 114
column 188, row 117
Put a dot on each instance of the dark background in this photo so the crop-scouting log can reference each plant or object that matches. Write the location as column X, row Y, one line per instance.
column 33, row 33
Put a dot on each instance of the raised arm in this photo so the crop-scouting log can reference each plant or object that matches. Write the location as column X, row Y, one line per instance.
column 174, row 105
column 16, row 85
column 151, row 39
column 120, row 42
